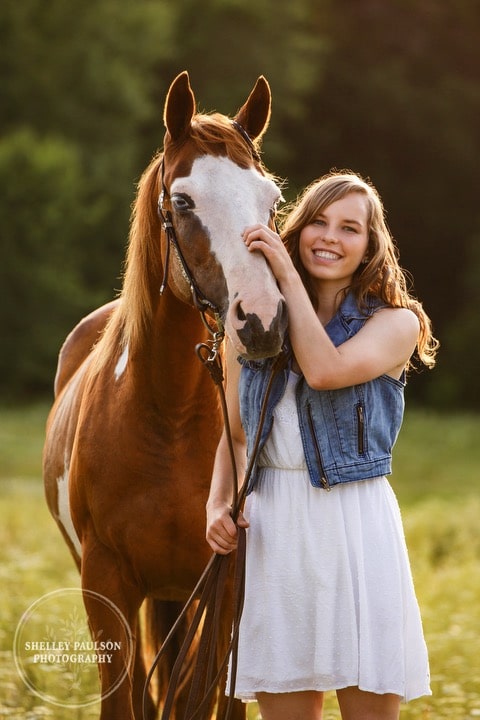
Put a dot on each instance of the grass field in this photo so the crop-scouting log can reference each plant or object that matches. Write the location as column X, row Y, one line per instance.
column 436, row 478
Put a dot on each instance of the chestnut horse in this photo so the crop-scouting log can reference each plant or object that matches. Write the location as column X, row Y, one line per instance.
column 134, row 427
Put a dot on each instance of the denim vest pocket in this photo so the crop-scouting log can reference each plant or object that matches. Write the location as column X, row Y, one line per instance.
column 361, row 437
column 316, row 446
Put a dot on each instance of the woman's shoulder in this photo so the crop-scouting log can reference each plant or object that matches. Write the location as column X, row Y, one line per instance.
column 400, row 324
column 398, row 315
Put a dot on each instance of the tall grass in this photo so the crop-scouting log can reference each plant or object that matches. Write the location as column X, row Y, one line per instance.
column 437, row 456
column 436, row 475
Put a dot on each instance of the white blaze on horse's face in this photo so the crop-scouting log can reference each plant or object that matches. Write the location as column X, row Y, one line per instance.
column 226, row 199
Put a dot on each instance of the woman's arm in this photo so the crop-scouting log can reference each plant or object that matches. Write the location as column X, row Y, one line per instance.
column 221, row 530
column 383, row 345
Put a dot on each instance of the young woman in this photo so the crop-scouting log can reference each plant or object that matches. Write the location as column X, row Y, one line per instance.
column 330, row 603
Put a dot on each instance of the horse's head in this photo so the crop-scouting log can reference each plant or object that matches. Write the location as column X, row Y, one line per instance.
column 214, row 186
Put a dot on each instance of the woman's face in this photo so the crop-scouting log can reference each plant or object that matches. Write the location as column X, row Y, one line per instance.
column 334, row 244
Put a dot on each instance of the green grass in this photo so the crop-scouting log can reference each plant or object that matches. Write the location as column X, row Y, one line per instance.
column 436, row 474
column 21, row 442
column 437, row 456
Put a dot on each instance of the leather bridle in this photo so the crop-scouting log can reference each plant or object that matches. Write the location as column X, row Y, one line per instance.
column 200, row 301
column 210, row 589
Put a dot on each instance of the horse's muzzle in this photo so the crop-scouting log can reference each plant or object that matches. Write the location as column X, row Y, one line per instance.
column 260, row 342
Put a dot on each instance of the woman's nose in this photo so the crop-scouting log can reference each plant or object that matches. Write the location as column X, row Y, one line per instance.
column 329, row 234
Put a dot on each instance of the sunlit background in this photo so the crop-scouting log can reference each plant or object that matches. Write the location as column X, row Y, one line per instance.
column 390, row 89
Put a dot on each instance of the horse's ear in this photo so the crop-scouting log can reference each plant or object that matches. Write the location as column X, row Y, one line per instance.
column 254, row 115
column 179, row 106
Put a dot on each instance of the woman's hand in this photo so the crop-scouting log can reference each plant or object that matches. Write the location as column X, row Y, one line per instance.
column 221, row 530
column 267, row 241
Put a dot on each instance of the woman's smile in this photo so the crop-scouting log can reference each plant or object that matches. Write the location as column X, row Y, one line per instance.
column 327, row 255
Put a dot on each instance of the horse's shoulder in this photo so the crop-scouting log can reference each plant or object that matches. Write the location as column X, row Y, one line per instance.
column 80, row 341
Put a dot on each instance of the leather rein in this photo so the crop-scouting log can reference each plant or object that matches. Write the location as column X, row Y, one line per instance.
column 210, row 588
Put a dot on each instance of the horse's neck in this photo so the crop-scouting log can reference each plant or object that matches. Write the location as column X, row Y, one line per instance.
column 170, row 362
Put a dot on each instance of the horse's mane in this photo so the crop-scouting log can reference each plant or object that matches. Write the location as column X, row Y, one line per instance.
column 211, row 133
column 142, row 273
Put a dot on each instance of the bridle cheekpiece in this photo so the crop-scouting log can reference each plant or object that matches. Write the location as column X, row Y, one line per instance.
column 200, row 301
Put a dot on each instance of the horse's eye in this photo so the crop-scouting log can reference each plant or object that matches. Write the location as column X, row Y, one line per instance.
column 182, row 202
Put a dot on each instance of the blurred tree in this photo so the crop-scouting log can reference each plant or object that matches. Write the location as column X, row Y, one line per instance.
column 457, row 381
column 81, row 71
column 399, row 101
column 75, row 77
column 42, row 205
column 389, row 89
column 227, row 45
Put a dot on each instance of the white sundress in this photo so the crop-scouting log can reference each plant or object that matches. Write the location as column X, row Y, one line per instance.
column 329, row 598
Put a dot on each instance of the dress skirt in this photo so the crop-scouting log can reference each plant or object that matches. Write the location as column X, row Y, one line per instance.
column 329, row 598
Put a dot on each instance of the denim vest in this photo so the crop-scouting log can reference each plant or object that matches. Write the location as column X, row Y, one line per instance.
column 347, row 434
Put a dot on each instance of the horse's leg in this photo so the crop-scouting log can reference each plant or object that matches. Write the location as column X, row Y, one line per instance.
column 139, row 680
column 160, row 618
column 112, row 601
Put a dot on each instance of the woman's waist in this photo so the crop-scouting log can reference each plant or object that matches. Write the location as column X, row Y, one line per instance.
column 279, row 468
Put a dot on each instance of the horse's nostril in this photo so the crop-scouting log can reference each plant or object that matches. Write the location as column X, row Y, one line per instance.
column 240, row 314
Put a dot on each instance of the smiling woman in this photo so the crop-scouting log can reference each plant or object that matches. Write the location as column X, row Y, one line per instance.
column 334, row 244
column 329, row 599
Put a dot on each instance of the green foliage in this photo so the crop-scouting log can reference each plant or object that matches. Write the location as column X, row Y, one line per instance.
column 458, row 380
column 230, row 43
column 389, row 89
column 41, row 218
column 75, row 94
column 79, row 69
column 397, row 102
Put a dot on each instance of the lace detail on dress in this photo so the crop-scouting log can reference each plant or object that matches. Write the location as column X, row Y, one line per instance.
column 286, row 410
column 283, row 448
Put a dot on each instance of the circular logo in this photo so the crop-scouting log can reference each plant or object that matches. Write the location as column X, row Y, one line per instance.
column 58, row 658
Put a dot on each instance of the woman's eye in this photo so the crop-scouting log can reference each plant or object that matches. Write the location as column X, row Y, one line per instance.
column 182, row 202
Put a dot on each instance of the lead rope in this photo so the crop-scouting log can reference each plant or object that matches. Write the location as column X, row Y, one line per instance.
column 210, row 588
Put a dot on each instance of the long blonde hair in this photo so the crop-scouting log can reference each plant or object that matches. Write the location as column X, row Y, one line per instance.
column 381, row 274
